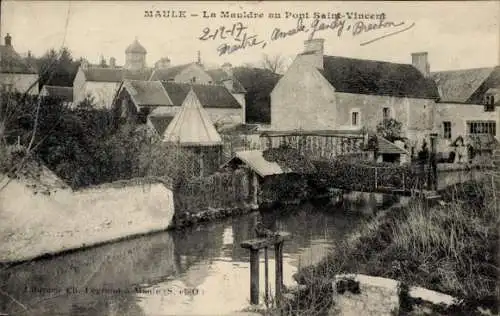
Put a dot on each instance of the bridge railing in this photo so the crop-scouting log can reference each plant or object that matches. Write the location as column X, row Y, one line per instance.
column 361, row 176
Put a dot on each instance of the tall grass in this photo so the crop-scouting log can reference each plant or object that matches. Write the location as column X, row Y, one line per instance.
column 450, row 247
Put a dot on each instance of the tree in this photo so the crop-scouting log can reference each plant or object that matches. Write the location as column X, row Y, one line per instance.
column 274, row 63
column 390, row 129
column 57, row 68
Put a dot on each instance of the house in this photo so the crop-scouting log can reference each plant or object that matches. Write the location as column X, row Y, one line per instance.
column 195, row 73
column 164, row 99
column 468, row 104
column 186, row 73
column 275, row 174
column 137, row 99
column 192, row 129
column 16, row 74
column 101, row 83
column 65, row 94
column 322, row 92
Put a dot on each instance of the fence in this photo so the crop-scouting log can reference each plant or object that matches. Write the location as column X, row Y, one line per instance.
column 314, row 145
column 219, row 190
column 360, row 176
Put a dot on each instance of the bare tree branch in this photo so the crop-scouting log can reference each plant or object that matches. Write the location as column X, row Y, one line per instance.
column 274, row 63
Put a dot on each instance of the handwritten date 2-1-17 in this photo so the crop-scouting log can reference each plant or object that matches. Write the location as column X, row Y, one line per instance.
column 237, row 32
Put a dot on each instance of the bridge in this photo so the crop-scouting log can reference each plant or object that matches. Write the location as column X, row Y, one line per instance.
column 340, row 161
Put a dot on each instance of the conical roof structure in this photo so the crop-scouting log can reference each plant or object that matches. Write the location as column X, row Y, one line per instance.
column 192, row 126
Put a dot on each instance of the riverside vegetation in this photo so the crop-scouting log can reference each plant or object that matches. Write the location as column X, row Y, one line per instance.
column 451, row 247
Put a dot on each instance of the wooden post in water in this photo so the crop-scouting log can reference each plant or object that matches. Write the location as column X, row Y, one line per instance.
column 266, row 277
column 254, row 245
column 254, row 276
column 278, row 250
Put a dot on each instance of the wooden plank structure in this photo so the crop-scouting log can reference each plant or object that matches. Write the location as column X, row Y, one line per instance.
column 255, row 245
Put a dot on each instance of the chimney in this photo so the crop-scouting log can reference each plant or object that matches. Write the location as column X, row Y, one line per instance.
column 227, row 68
column 314, row 45
column 112, row 62
column 420, row 61
column 8, row 40
column 314, row 51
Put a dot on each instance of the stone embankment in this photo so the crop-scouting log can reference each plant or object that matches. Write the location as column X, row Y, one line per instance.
column 358, row 294
column 44, row 217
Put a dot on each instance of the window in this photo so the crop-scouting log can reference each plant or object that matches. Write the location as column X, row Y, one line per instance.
column 481, row 127
column 489, row 103
column 386, row 113
column 7, row 87
column 193, row 80
column 447, row 130
column 355, row 118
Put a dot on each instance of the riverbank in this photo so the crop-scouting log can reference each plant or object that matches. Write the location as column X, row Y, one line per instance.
column 450, row 247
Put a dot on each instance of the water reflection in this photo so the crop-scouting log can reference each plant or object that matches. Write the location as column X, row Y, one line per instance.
column 201, row 270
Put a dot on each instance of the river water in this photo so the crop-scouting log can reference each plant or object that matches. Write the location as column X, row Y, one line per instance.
column 198, row 271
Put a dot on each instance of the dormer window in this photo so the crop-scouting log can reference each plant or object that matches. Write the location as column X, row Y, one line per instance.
column 489, row 103
column 355, row 117
column 386, row 113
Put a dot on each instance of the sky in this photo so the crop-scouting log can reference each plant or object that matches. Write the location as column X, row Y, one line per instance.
column 456, row 35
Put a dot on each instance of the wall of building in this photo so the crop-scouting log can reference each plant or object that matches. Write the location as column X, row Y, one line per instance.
column 240, row 97
column 220, row 115
column 303, row 99
column 215, row 114
column 187, row 74
column 21, row 82
column 79, row 87
column 103, row 92
column 458, row 114
column 414, row 114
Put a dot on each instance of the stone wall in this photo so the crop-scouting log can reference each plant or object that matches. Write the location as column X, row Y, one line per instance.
column 33, row 222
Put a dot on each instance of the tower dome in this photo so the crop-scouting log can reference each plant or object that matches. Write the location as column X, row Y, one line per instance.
column 135, row 56
column 136, row 48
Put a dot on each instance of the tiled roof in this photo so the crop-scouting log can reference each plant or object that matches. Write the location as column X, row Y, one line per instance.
column 255, row 160
column 219, row 76
column 11, row 62
column 210, row 96
column 461, row 85
column 101, row 74
column 160, row 123
column 377, row 78
column 168, row 73
column 64, row 93
column 386, row 147
column 192, row 126
column 147, row 93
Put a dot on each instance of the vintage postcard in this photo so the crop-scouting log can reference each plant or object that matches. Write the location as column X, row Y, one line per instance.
column 249, row 158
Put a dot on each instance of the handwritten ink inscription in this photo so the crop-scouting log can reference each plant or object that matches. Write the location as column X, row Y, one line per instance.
column 237, row 33
column 242, row 39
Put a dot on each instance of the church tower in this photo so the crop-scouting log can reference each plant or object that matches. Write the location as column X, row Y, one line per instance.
column 135, row 56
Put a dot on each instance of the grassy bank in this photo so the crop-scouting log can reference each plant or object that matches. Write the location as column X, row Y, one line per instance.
column 450, row 248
